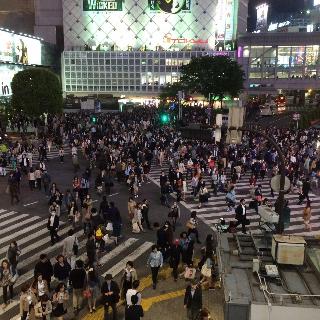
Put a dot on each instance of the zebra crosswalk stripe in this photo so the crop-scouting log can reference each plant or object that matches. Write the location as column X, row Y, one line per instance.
column 216, row 206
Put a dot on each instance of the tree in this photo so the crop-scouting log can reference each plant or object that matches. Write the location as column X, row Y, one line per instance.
column 215, row 76
column 36, row 91
column 170, row 91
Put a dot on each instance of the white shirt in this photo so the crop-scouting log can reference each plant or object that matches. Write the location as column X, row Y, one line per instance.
column 130, row 293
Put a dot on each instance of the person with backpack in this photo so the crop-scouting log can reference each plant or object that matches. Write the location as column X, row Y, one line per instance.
column 133, row 292
column 134, row 311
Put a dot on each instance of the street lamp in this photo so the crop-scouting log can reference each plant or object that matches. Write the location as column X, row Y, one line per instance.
column 280, row 201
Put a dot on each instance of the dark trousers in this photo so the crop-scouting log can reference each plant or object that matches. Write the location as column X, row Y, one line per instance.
column 154, row 272
column 113, row 306
column 39, row 184
column 242, row 221
column 24, row 315
column 5, row 293
column 175, row 271
column 54, row 235
column 145, row 218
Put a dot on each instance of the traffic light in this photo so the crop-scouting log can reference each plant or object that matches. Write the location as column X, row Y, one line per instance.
column 93, row 119
column 164, row 118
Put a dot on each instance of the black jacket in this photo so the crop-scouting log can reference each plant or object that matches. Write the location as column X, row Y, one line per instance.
column 115, row 297
column 91, row 247
column 175, row 253
column 77, row 278
column 239, row 212
column 194, row 302
column 45, row 268
column 61, row 272
column 55, row 223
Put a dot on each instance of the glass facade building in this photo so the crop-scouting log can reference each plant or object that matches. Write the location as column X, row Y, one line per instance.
column 280, row 60
column 124, row 71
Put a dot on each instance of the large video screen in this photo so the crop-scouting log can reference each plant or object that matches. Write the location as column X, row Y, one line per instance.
column 19, row 49
column 125, row 24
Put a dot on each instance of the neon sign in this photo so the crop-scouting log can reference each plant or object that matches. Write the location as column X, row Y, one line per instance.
column 169, row 39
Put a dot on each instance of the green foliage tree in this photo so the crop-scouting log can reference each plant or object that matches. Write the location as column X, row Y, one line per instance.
column 36, row 91
column 170, row 91
column 218, row 76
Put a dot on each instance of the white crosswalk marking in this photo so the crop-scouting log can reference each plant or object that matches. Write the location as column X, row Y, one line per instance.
column 119, row 267
column 33, row 238
column 216, row 207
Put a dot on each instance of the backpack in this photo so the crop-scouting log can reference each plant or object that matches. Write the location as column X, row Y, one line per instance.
column 98, row 234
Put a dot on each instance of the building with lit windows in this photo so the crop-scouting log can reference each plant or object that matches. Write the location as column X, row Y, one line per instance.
column 134, row 48
column 280, row 61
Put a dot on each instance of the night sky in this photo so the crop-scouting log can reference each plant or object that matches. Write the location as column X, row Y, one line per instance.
column 276, row 7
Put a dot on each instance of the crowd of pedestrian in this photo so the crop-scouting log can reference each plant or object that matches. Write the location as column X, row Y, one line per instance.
column 120, row 148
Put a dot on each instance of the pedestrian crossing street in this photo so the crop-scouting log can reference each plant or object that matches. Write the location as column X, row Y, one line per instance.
column 53, row 154
column 33, row 238
column 216, row 207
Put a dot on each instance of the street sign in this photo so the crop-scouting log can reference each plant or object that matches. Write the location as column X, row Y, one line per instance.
column 296, row 116
column 275, row 183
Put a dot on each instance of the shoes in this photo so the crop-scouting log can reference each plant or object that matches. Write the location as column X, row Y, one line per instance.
column 154, row 286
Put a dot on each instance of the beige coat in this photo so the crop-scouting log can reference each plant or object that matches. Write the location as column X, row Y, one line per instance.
column 131, row 208
column 48, row 310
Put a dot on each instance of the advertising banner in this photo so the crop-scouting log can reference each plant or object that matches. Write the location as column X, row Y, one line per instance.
column 27, row 50
column 6, row 46
column 262, row 16
column 19, row 49
column 169, row 6
column 102, row 5
column 7, row 73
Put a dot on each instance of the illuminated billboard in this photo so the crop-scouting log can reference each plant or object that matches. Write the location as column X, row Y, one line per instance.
column 149, row 24
column 17, row 48
column 7, row 72
column 169, row 6
column 262, row 17
column 102, row 5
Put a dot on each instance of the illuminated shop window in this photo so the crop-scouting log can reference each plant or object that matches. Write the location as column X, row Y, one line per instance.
column 284, row 54
column 312, row 55
column 297, row 56
column 255, row 75
column 282, row 74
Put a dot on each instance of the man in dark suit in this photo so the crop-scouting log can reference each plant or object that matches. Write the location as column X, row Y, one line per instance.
column 110, row 296
column 241, row 215
column 53, row 226
column 193, row 300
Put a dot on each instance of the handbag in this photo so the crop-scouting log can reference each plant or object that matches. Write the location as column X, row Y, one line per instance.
column 205, row 271
column 87, row 293
column 109, row 226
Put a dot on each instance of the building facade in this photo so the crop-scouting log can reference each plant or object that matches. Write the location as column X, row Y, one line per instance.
column 136, row 47
column 276, row 61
